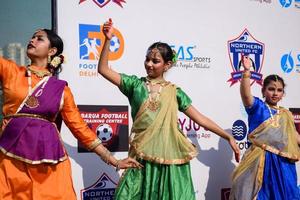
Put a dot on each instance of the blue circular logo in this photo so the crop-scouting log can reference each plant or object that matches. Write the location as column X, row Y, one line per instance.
column 285, row 3
column 287, row 63
column 239, row 130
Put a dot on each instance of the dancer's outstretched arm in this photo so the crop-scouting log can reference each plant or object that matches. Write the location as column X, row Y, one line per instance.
column 103, row 67
column 207, row 123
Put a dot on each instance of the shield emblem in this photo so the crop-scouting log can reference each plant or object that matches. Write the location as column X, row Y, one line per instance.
column 246, row 44
column 104, row 188
column 101, row 3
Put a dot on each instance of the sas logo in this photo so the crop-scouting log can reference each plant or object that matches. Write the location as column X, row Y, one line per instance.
column 102, row 3
column 239, row 132
column 91, row 41
column 246, row 44
column 289, row 62
column 184, row 53
column 104, row 188
column 186, row 58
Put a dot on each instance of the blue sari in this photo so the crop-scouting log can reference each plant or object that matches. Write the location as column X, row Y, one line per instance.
column 267, row 170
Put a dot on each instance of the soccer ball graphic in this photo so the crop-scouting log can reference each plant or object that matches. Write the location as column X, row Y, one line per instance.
column 114, row 44
column 104, row 132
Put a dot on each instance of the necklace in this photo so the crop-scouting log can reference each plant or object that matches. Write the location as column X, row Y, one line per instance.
column 274, row 119
column 38, row 73
column 32, row 100
column 153, row 102
column 155, row 81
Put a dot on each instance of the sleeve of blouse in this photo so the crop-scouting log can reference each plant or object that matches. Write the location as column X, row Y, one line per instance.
column 6, row 68
column 127, row 84
column 72, row 118
column 251, row 109
column 183, row 100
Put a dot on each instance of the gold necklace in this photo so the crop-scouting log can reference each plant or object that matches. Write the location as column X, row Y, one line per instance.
column 274, row 119
column 156, row 81
column 153, row 103
column 32, row 100
column 38, row 73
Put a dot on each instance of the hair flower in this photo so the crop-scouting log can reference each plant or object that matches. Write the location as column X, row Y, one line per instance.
column 57, row 60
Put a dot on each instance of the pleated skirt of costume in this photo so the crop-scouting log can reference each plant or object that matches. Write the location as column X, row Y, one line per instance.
column 156, row 182
column 23, row 181
column 279, row 180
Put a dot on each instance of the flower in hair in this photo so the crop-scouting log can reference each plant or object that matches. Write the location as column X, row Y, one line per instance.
column 57, row 60
column 174, row 57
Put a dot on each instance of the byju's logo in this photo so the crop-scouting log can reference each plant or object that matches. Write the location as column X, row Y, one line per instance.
column 239, row 132
column 289, row 62
column 246, row 44
column 104, row 188
column 102, row 3
column 91, row 41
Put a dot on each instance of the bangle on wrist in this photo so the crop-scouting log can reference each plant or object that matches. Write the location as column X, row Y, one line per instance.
column 106, row 156
column 117, row 165
column 246, row 74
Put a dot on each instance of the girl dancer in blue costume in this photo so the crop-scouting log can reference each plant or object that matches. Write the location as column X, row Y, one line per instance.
column 267, row 170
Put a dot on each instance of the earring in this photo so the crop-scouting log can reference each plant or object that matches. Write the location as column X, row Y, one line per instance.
column 49, row 59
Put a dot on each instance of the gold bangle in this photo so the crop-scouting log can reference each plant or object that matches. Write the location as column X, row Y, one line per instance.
column 245, row 74
column 118, row 165
column 107, row 156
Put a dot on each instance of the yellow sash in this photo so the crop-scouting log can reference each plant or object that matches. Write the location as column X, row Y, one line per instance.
column 156, row 136
column 278, row 138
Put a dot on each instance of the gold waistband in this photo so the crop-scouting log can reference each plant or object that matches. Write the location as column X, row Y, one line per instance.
column 36, row 116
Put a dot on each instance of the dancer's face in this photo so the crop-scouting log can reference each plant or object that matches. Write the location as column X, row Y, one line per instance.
column 154, row 64
column 273, row 92
column 39, row 46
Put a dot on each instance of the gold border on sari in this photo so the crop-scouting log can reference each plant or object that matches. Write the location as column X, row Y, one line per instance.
column 33, row 162
column 160, row 160
column 285, row 116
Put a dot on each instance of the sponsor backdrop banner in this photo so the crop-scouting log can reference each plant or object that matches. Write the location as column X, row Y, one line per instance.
column 209, row 37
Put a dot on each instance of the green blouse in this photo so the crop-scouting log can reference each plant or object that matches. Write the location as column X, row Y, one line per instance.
column 135, row 89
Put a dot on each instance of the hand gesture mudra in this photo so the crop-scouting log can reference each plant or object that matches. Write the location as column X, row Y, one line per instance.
column 108, row 29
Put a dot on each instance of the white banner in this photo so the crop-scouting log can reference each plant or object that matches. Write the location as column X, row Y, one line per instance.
column 209, row 37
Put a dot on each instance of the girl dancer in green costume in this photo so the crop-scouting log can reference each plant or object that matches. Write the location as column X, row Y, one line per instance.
column 156, row 140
